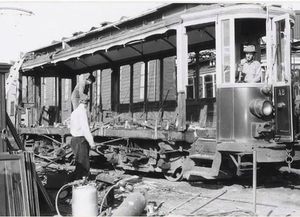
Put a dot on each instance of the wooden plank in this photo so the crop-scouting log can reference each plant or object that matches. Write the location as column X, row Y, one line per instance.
column 34, row 184
column 41, row 188
column 14, row 133
column 29, row 184
column 46, row 196
column 2, row 107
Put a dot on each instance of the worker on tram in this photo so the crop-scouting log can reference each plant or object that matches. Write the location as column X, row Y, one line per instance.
column 249, row 70
column 81, row 91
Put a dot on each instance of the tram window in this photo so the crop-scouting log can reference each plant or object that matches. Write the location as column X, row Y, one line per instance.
column 153, row 80
column 138, row 82
column 124, row 84
column 225, row 52
column 208, row 86
column 280, row 39
column 248, row 48
column 142, row 82
column 190, row 86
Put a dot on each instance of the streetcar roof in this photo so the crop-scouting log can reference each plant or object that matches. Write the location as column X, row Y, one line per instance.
column 89, row 49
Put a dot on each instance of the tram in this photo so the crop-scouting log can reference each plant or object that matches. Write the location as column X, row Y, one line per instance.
column 166, row 98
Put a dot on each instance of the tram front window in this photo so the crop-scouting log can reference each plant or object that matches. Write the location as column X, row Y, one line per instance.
column 249, row 49
column 242, row 50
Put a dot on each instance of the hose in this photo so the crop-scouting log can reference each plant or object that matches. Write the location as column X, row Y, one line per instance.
column 56, row 198
column 59, row 191
column 112, row 187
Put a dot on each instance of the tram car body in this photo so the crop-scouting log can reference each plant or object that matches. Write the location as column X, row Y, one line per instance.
column 166, row 97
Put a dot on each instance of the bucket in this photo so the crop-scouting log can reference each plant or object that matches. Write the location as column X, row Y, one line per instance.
column 85, row 201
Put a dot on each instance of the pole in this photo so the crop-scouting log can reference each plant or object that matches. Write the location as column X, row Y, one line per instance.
column 254, row 180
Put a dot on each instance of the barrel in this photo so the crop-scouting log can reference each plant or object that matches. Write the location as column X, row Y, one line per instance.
column 85, row 201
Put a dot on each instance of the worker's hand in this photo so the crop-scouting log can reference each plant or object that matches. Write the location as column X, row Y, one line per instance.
column 93, row 146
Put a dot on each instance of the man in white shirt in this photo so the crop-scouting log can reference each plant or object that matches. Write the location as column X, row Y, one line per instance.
column 82, row 139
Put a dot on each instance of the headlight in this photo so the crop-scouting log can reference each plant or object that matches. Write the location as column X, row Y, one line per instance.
column 267, row 108
column 261, row 108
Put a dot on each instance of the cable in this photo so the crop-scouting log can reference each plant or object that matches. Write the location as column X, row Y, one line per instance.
column 76, row 182
column 104, row 197
column 56, row 198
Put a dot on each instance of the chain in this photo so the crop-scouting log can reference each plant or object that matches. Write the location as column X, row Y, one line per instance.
column 289, row 158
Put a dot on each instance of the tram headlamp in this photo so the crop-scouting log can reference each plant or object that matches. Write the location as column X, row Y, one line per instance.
column 261, row 108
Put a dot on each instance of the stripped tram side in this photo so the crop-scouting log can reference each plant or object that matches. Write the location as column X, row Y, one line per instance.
column 166, row 98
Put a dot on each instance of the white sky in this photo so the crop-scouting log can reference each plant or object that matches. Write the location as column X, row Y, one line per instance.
column 53, row 20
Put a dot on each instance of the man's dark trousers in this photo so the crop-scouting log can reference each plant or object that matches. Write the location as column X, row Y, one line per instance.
column 81, row 149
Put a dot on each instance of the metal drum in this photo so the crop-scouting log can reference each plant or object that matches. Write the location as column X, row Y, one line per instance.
column 85, row 201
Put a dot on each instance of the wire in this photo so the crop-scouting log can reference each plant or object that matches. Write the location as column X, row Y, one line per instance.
column 56, row 198
column 104, row 197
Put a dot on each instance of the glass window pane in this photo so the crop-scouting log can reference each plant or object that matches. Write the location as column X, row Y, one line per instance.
column 226, row 51
column 280, row 44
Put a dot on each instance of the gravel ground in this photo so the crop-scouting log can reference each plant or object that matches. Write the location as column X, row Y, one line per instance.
column 275, row 196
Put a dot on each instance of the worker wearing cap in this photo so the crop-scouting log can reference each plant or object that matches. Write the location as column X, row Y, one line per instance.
column 81, row 90
column 249, row 70
column 82, row 139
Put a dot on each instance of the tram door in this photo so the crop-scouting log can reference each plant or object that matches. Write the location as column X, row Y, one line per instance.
column 281, row 76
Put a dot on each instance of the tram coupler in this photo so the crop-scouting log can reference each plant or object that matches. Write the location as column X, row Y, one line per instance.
column 289, row 170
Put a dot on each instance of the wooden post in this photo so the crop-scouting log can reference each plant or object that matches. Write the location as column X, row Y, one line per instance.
column 131, row 91
column 100, row 95
column 146, row 91
column 19, row 100
column 197, row 80
column 4, row 68
column 182, row 75
column 161, row 92
column 161, row 82
column 59, row 106
column 37, row 99
column 73, row 84
column 115, row 89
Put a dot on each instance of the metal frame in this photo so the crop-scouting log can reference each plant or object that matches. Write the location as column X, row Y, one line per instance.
column 17, row 206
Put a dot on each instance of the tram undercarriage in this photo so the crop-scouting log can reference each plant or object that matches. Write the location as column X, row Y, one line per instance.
column 195, row 161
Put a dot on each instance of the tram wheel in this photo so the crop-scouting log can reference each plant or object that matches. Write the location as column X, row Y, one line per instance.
column 175, row 176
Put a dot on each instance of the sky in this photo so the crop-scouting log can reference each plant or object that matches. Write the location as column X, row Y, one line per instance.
column 54, row 20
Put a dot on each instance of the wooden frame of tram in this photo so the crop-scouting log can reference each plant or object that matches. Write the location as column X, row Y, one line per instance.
column 143, row 69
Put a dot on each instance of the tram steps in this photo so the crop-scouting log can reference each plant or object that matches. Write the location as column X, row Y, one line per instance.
column 205, row 173
column 202, row 157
